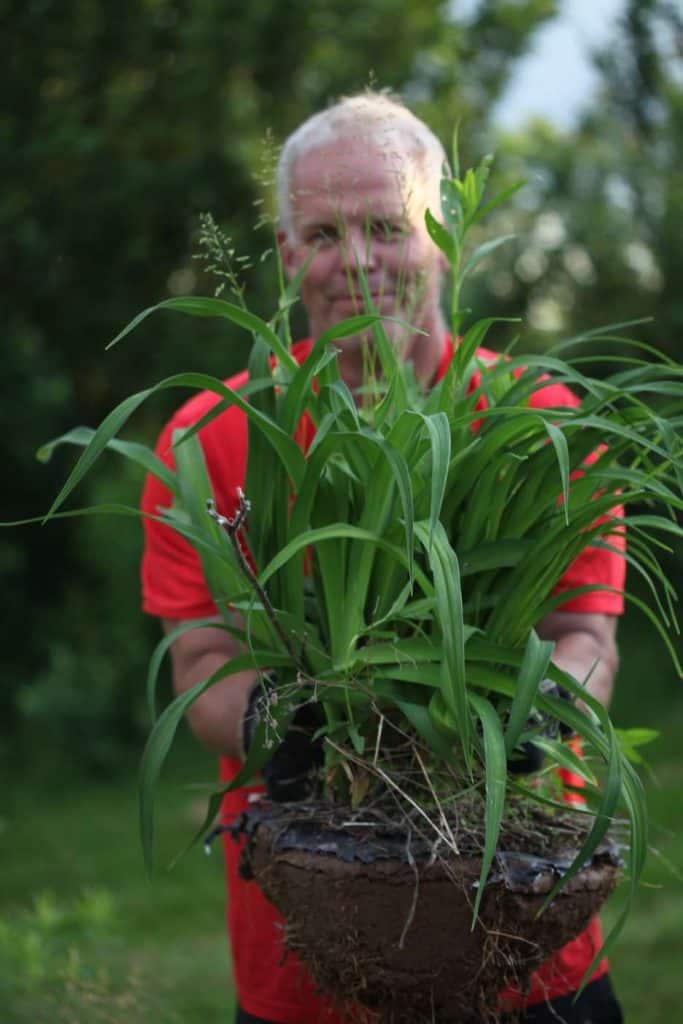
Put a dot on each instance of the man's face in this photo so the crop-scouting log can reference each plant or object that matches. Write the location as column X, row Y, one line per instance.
column 352, row 204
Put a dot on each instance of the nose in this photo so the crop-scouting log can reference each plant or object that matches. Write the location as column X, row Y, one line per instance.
column 360, row 249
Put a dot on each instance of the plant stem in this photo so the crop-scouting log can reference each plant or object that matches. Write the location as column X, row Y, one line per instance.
column 232, row 528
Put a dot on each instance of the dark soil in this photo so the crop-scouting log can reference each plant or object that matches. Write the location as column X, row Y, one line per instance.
column 382, row 920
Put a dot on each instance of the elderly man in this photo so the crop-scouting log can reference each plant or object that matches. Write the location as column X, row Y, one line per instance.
column 354, row 182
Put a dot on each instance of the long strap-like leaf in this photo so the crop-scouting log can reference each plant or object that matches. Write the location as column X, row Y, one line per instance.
column 495, row 773
column 133, row 450
column 195, row 305
column 164, row 729
column 288, row 450
column 534, row 666
column 445, row 569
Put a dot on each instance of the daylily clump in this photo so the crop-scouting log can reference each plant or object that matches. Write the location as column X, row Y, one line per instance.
column 392, row 568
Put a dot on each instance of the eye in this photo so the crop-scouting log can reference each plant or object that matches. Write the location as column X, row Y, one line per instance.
column 386, row 229
column 322, row 234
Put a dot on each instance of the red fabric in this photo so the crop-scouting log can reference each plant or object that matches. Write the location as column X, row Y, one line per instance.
column 271, row 983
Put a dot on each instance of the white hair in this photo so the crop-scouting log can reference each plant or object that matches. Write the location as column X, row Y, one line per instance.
column 371, row 116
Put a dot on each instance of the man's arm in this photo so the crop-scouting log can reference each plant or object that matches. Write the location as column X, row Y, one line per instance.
column 216, row 718
column 584, row 641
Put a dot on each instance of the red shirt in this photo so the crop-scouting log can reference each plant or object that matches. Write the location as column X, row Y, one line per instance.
column 270, row 982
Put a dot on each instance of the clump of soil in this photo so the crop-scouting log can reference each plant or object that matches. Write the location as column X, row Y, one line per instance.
column 383, row 917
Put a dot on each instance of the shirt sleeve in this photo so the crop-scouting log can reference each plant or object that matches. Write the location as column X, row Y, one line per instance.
column 173, row 585
column 604, row 571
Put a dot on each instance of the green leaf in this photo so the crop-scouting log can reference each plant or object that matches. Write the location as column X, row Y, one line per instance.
column 440, row 236
column 495, row 769
column 223, row 573
column 443, row 562
column 635, row 803
column 392, row 368
column 138, row 453
column 441, row 718
column 481, row 175
column 352, row 325
column 331, row 558
column 299, row 389
column 260, row 752
column 612, row 792
column 482, row 252
column 337, row 531
column 379, row 513
column 418, row 716
column 533, row 669
column 455, row 157
column 565, row 757
column 287, row 449
column 264, row 472
column 401, row 476
column 403, row 649
column 208, row 307
column 357, row 740
column 631, row 739
column 107, row 509
column 162, row 649
column 497, row 201
column 457, row 376
column 598, row 741
column 636, row 737
column 440, row 438
column 451, row 206
column 101, row 438
column 163, row 732
column 561, row 450
column 495, row 554
column 289, row 293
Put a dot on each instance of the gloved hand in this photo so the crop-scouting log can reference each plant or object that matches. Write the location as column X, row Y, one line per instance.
column 529, row 758
column 290, row 774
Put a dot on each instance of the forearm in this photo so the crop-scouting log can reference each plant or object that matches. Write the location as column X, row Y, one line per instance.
column 216, row 718
column 585, row 647
column 577, row 655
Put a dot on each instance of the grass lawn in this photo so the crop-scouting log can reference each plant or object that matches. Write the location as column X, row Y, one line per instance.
column 646, row 962
column 85, row 938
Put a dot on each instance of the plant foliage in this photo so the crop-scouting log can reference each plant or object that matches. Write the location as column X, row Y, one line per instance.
column 405, row 557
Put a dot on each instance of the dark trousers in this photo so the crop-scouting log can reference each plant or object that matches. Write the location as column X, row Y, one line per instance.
column 597, row 1004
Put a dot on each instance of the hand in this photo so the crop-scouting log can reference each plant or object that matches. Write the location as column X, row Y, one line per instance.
column 290, row 774
column 529, row 757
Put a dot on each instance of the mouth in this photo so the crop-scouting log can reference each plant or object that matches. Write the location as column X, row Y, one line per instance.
column 358, row 302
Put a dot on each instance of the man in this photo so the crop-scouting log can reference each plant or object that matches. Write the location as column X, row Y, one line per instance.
column 353, row 182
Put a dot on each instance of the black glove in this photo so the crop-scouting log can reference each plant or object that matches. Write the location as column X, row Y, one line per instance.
column 291, row 772
column 529, row 757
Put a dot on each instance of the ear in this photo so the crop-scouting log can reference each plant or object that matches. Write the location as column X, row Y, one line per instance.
column 287, row 254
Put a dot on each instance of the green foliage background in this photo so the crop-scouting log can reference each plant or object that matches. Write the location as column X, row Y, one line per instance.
column 121, row 123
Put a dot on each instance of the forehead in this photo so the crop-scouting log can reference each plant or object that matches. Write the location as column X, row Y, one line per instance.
column 355, row 178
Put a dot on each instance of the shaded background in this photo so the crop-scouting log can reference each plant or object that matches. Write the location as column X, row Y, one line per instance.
column 119, row 124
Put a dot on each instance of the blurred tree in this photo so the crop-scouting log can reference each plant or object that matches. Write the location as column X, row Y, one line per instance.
column 599, row 221
column 119, row 124
column 599, row 242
